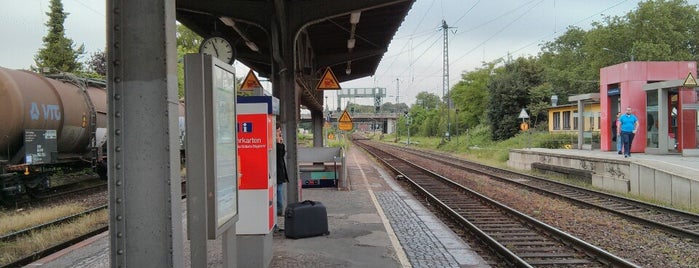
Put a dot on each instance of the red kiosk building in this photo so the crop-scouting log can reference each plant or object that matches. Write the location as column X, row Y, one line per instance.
column 662, row 95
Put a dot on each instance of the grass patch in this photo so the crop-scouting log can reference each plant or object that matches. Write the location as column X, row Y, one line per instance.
column 24, row 246
column 15, row 221
column 338, row 142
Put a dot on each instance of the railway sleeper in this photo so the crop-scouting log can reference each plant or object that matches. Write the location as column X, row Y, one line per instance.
column 558, row 262
column 518, row 234
column 543, row 255
column 528, row 243
column 516, row 237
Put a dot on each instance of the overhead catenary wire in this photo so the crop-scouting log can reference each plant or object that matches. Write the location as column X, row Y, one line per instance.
column 450, row 41
column 409, row 63
column 411, row 36
column 494, row 34
column 544, row 37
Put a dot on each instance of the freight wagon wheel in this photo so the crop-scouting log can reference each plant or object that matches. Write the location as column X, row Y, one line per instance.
column 39, row 187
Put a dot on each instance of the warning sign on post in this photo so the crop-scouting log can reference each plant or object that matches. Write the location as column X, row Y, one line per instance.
column 328, row 81
column 524, row 126
column 689, row 81
column 345, row 121
column 250, row 83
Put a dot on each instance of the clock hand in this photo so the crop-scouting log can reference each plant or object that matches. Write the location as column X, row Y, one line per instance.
column 215, row 50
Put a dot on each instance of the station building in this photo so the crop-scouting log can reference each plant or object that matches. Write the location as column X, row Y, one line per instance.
column 563, row 119
column 664, row 98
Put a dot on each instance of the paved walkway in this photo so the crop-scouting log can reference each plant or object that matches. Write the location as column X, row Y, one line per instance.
column 373, row 223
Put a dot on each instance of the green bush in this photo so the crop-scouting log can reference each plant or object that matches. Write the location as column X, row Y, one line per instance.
column 553, row 141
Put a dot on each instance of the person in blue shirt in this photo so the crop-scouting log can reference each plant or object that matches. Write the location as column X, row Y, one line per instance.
column 628, row 125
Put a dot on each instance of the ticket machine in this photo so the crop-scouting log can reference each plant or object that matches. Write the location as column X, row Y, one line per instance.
column 257, row 190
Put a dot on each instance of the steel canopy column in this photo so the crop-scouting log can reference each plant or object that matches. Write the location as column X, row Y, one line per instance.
column 284, row 88
column 317, row 119
column 581, row 127
column 145, row 214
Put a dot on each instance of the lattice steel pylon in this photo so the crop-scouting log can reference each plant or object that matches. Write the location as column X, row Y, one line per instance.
column 445, row 77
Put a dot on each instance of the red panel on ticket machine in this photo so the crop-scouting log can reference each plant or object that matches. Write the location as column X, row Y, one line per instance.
column 254, row 143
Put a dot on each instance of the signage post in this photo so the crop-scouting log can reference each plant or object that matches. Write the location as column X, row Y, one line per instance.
column 524, row 126
column 212, row 177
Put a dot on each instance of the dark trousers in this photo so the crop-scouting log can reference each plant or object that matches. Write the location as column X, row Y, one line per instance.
column 627, row 139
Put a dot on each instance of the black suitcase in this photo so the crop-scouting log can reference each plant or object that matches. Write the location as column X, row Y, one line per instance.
column 305, row 219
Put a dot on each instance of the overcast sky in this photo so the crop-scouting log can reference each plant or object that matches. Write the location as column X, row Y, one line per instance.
column 483, row 31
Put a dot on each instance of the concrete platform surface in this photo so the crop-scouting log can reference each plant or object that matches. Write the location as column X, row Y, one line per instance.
column 372, row 223
column 685, row 166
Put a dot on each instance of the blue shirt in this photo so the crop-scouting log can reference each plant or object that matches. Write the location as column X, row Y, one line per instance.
column 628, row 122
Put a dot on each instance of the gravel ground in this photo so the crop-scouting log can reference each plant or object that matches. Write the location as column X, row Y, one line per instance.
column 641, row 245
column 89, row 199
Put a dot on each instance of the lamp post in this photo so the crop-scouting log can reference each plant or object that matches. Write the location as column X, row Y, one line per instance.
column 326, row 130
column 397, row 126
column 407, row 124
column 456, row 124
column 408, row 120
column 631, row 56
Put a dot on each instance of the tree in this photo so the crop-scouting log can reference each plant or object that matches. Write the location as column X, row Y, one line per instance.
column 658, row 30
column 470, row 96
column 428, row 115
column 427, row 100
column 568, row 65
column 664, row 30
column 187, row 42
column 509, row 93
column 430, row 122
column 539, row 103
column 97, row 64
column 58, row 52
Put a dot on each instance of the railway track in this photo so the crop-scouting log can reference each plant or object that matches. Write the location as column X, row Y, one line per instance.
column 517, row 239
column 7, row 238
column 676, row 222
column 70, row 190
column 26, row 231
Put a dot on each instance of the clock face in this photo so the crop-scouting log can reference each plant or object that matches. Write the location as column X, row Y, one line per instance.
column 218, row 47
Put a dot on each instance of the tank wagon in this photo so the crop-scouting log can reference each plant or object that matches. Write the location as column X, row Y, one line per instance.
column 48, row 123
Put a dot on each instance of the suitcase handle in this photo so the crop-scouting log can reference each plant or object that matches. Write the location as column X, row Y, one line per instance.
column 309, row 202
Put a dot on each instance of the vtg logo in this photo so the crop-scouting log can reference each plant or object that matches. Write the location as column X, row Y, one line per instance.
column 51, row 111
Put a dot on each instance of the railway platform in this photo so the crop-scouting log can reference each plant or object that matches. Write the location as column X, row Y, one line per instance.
column 673, row 178
column 373, row 222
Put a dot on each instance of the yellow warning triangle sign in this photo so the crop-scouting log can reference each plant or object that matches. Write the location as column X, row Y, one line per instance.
column 328, row 81
column 345, row 117
column 250, row 83
column 689, row 81
column 345, row 121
